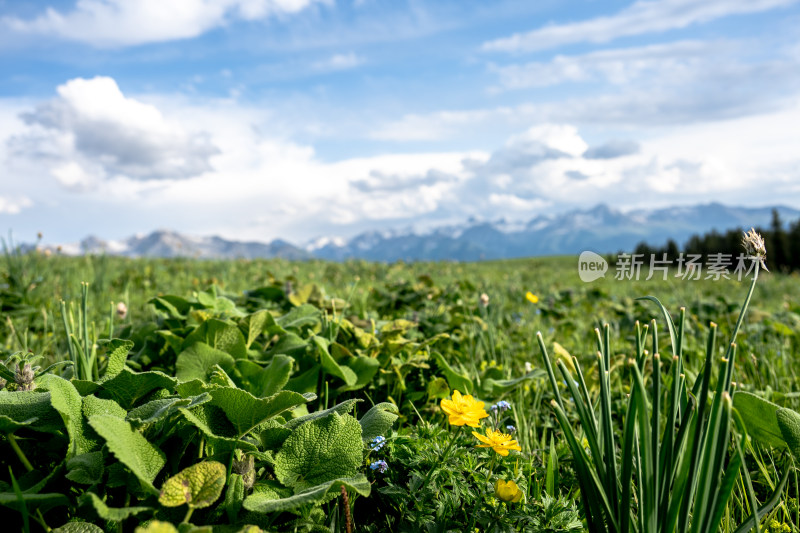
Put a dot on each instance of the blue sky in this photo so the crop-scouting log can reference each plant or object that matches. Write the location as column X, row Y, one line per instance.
column 257, row 119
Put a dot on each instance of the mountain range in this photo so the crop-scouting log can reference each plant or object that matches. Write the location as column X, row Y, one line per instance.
column 601, row 229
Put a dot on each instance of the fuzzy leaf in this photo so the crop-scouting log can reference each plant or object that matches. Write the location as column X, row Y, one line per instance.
column 199, row 486
column 268, row 380
column 219, row 335
column 43, row 502
column 197, row 360
column 263, row 502
column 78, row 527
column 253, row 325
column 65, row 399
column 760, row 418
column 157, row 526
column 130, row 447
column 378, row 420
column 245, row 411
column 117, row 353
column 21, row 407
column 160, row 409
column 789, row 423
column 213, row 423
column 234, row 497
column 128, row 387
column 340, row 408
column 319, row 451
column 86, row 468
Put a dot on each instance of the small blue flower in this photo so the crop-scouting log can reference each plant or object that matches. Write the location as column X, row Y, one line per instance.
column 511, row 429
column 503, row 405
column 380, row 465
column 494, row 408
column 377, row 443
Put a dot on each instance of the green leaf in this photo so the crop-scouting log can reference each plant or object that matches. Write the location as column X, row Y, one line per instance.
column 130, row 447
column 78, row 527
column 330, row 365
column 456, row 381
column 378, row 420
column 287, row 344
column 789, row 424
column 128, row 386
column 157, row 526
column 197, row 486
column 22, row 407
column 86, row 468
column 43, row 502
column 172, row 306
column 760, row 418
column 117, row 353
column 219, row 335
column 364, row 368
column 234, row 497
column 268, row 380
column 9, row 425
column 262, row 502
column 160, row 409
column 254, row 324
column 304, row 315
column 197, row 360
column 438, row 388
column 340, row 408
column 496, row 387
column 213, row 423
column 245, row 411
column 65, row 399
column 319, row 451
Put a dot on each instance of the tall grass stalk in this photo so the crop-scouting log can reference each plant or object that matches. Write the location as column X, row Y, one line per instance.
column 675, row 472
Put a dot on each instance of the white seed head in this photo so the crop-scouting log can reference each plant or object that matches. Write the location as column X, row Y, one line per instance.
column 484, row 300
column 754, row 247
column 122, row 310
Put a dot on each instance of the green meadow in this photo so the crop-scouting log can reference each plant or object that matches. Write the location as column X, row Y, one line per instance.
column 157, row 395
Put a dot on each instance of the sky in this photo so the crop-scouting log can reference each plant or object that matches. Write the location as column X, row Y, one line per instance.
column 301, row 119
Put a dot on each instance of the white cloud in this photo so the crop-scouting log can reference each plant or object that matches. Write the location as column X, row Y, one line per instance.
column 12, row 206
column 132, row 22
column 92, row 131
column 618, row 66
column 642, row 17
column 339, row 62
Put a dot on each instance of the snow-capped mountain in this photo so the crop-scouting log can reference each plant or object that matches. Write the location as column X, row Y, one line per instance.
column 602, row 229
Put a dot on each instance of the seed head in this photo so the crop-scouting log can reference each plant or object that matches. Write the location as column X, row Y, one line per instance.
column 122, row 310
column 24, row 377
column 484, row 300
column 754, row 247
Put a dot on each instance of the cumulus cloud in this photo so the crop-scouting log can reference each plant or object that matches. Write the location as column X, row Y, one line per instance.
column 339, row 62
column 12, row 206
column 92, row 131
column 642, row 17
column 125, row 22
column 612, row 149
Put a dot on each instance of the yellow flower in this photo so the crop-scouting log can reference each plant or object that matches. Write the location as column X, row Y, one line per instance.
column 507, row 491
column 498, row 441
column 463, row 410
column 532, row 298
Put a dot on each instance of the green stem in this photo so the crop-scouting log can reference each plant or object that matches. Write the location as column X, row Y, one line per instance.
column 188, row 515
column 40, row 519
column 13, row 441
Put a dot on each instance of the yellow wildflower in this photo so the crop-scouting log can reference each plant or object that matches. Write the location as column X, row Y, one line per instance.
column 498, row 441
column 463, row 410
column 532, row 298
column 507, row 491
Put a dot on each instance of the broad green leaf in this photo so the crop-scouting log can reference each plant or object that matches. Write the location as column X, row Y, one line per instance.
column 130, row 447
column 789, row 424
column 340, row 408
column 497, row 387
column 330, row 365
column 254, row 324
column 265, row 381
column 456, row 381
column 306, row 381
column 378, row 420
column 21, row 407
column 288, row 344
column 245, row 411
column 92, row 405
column 197, row 360
column 157, row 410
column 198, row 486
column 263, row 502
column 319, row 451
column 127, row 387
column 213, row 423
column 86, row 468
column 760, row 418
column 303, row 315
column 117, row 353
column 217, row 377
column 438, row 388
column 65, row 399
column 9, row 425
column 364, row 368
column 43, row 502
column 219, row 335
column 78, row 527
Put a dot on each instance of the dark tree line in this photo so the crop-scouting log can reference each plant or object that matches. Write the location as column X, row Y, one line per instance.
column 783, row 245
